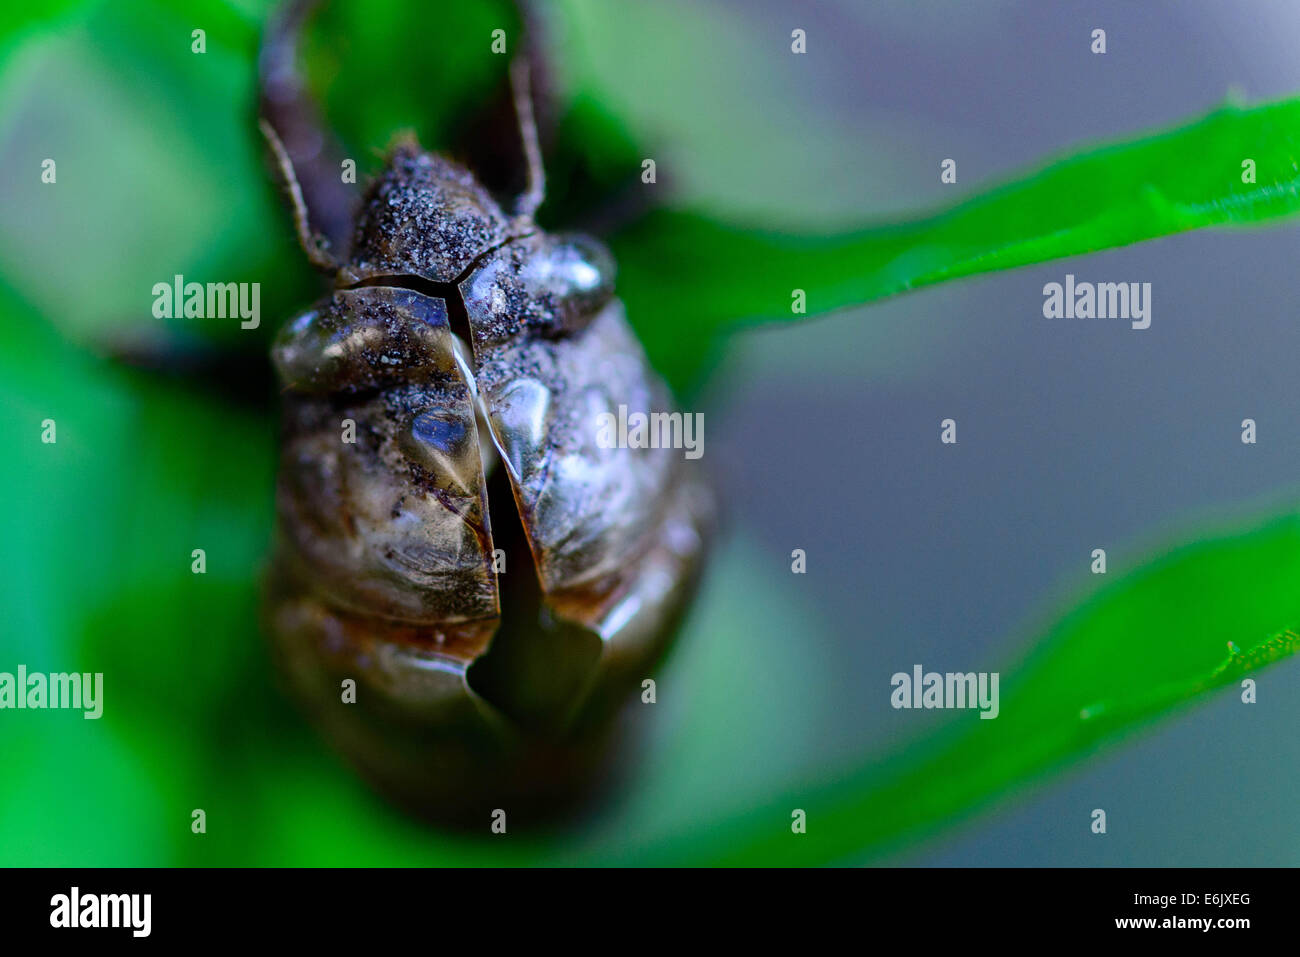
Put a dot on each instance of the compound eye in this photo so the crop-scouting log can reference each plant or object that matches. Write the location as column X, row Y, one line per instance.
column 538, row 285
column 576, row 277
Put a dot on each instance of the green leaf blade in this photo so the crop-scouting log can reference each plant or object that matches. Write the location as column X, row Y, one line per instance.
column 685, row 275
column 1149, row 644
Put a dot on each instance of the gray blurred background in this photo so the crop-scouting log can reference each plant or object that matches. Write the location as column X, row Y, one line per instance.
column 1072, row 435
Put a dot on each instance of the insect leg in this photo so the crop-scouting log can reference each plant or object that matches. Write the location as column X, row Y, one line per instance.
column 535, row 192
column 313, row 243
column 307, row 153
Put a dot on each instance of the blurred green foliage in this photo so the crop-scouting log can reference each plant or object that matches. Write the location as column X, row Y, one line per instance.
column 160, row 173
column 724, row 276
column 1139, row 648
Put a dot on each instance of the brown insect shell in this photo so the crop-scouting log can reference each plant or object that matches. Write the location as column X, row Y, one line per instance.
column 384, row 563
column 382, row 500
column 424, row 216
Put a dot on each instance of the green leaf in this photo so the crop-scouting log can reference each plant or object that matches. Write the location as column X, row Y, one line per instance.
column 1151, row 642
column 159, row 173
column 99, row 543
column 385, row 67
column 686, row 277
